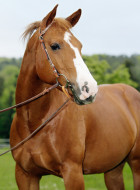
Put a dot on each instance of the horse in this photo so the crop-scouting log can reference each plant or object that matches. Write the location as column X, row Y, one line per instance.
column 97, row 131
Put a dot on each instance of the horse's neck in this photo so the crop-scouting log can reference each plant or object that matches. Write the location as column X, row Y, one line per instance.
column 29, row 84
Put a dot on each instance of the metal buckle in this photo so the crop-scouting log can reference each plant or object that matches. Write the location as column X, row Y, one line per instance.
column 67, row 81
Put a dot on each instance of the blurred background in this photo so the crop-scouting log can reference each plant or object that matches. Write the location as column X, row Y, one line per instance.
column 109, row 31
column 110, row 34
column 105, row 27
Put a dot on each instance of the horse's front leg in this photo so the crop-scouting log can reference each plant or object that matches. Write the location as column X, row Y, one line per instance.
column 73, row 176
column 26, row 181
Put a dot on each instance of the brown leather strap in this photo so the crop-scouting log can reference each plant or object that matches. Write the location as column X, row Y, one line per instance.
column 66, row 92
column 37, row 129
column 46, row 90
column 56, row 73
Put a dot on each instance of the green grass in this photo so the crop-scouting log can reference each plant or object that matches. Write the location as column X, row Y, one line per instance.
column 92, row 182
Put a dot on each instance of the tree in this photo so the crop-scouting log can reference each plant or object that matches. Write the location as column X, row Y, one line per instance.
column 8, row 77
column 102, row 72
column 98, row 68
column 120, row 75
column 104, row 68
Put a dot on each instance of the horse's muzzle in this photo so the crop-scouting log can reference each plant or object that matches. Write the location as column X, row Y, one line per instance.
column 76, row 97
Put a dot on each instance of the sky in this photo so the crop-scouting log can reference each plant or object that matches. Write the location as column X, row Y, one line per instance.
column 105, row 27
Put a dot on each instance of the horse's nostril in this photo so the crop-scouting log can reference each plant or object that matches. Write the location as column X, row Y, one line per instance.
column 85, row 87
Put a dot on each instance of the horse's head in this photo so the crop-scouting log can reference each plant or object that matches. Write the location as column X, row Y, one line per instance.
column 65, row 53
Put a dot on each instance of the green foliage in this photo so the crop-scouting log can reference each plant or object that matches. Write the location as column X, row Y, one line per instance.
column 104, row 74
column 9, row 61
column 104, row 68
column 132, row 63
column 97, row 68
column 134, row 68
column 120, row 75
column 8, row 79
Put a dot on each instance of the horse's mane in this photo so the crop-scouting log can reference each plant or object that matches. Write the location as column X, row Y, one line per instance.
column 30, row 29
column 35, row 25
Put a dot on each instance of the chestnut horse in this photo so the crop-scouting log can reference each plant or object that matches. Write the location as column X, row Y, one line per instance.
column 94, row 138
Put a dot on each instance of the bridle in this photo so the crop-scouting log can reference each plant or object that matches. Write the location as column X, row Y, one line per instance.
column 55, row 71
column 64, row 88
column 41, row 39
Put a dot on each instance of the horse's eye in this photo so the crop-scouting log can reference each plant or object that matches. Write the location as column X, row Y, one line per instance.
column 55, row 46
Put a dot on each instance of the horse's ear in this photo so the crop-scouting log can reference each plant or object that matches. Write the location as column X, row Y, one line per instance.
column 49, row 18
column 73, row 19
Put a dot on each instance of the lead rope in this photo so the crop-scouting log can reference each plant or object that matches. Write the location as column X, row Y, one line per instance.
column 36, row 130
column 46, row 90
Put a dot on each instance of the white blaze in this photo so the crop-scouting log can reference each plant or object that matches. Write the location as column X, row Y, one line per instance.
column 83, row 74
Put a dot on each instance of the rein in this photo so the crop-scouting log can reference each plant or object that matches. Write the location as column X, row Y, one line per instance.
column 36, row 130
column 57, row 75
column 46, row 90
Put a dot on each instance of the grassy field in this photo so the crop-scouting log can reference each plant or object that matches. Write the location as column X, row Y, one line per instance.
column 92, row 182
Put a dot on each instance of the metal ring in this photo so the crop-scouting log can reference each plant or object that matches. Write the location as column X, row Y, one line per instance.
column 58, row 82
column 67, row 81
